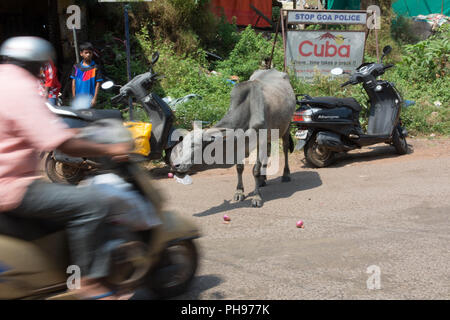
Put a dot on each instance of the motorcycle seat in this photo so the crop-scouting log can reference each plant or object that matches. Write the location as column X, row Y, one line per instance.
column 92, row 114
column 333, row 102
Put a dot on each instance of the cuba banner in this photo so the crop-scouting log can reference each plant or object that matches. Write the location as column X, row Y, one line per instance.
column 308, row 52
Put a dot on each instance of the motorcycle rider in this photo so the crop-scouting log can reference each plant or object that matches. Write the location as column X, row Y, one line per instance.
column 26, row 129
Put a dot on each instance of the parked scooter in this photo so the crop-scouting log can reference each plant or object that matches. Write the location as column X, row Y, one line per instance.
column 328, row 125
column 34, row 258
column 63, row 168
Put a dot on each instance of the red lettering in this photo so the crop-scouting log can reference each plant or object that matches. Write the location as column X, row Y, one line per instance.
column 327, row 50
column 300, row 48
column 347, row 51
column 321, row 51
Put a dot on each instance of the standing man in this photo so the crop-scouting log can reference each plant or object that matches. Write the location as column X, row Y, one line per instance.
column 86, row 76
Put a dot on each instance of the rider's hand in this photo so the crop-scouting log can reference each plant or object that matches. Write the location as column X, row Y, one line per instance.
column 93, row 102
column 119, row 151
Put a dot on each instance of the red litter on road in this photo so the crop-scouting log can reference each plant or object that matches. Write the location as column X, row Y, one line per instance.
column 226, row 218
column 300, row 224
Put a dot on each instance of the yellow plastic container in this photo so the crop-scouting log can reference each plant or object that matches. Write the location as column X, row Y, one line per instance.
column 141, row 132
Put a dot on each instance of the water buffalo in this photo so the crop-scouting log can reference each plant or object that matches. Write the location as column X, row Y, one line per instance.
column 266, row 101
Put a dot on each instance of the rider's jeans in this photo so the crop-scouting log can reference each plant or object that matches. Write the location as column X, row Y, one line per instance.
column 81, row 210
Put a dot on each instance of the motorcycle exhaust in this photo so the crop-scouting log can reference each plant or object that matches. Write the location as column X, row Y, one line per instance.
column 332, row 141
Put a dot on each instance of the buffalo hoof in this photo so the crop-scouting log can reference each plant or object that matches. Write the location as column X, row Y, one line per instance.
column 239, row 196
column 285, row 179
column 257, row 203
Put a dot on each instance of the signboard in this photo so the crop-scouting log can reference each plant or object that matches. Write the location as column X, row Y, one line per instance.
column 326, row 17
column 323, row 50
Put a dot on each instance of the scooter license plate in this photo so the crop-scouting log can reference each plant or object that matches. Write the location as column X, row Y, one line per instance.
column 301, row 134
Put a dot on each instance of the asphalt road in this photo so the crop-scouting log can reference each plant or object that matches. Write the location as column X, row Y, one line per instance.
column 373, row 209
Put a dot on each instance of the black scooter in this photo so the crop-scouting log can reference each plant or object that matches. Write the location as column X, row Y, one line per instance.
column 328, row 125
column 62, row 168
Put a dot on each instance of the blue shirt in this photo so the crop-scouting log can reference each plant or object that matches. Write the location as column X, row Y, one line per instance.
column 86, row 78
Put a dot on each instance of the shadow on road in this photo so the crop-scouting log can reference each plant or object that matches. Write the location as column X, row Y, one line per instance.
column 375, row 153
column 275, row 189
column 161, row 172
column 200, row 284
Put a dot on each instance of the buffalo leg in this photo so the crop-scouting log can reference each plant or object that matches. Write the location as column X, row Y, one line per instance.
column 257, row 199
column 264, row 167
column 239, row 194
column 286, row 143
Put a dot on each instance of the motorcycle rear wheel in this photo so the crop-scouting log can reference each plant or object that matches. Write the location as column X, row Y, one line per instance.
column 318, row 156
column 59, row 172
column 176, row 270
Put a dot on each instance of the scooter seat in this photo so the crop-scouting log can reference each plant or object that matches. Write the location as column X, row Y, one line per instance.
column 22, row 228
column 333, row 102
column 92, row 114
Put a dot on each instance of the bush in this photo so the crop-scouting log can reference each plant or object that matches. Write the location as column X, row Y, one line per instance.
column 429, row 59
column 248, row 54
column 402, row 32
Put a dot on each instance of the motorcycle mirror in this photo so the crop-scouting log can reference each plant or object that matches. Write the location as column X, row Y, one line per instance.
column 155, row 57
column 337, row 71
column 107, row 85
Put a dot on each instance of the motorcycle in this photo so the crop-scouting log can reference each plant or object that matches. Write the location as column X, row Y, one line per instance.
column 62, row 168
column 34, row 256
column 329, row 125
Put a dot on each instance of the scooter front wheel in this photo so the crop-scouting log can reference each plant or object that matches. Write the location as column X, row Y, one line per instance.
column 399, row 141
column 59, row 172
column 175, row 271
column 318, row 156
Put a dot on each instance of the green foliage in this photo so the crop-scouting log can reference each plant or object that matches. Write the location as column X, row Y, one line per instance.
column 402, row 32
column 248, row 54
column 428, row 59
column 186, row 75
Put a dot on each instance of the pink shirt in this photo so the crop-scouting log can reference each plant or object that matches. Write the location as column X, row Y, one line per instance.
column 27, row 127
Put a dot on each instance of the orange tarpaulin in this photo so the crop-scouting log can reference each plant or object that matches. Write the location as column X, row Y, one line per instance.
column 243, row 12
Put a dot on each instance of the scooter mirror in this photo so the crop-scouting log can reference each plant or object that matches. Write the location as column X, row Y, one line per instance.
column 107, row 85
column 155, row 57
column 387, row 50
column 337, row 71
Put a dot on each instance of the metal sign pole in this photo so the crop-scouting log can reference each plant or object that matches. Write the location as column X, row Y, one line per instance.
column 275, row 40
column 127, row 37
column 376, row 36
column 75, row 44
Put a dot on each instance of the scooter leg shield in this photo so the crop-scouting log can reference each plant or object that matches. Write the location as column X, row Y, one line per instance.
column 27, row 268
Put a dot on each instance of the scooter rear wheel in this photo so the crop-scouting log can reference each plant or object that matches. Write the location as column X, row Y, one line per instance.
column 59, row 172
column 318, row 156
